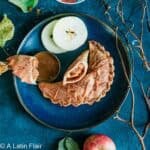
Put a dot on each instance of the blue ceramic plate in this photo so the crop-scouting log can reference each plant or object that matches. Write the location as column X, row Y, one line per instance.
column 85, row 116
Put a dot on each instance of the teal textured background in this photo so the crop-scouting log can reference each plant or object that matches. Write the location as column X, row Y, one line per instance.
column 16, row 126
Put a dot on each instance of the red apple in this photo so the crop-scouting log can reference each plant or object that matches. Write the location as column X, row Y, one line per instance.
column 99, row 142
column 69, row 1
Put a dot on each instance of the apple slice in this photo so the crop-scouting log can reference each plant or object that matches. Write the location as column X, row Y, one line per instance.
column 47, row 39
column 70, row 33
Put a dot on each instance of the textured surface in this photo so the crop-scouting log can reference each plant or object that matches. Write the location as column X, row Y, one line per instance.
column 91, row 88
column 16, row 126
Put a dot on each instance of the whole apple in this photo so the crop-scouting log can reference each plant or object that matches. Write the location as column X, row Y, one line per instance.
column 99, row 142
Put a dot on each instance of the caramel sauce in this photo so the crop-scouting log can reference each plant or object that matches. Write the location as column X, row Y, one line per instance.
column 48, row 67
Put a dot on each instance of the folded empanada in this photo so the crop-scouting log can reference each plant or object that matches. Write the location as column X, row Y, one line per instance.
column 89, row 87
column 25, row 67
column 77, row 70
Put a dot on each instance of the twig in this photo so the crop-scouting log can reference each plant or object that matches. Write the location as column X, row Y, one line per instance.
column 140, row 49
column 147, row 14
column 132, row 125
column 130, row 30
column 147, row 99
column 120, row 10
column 142, row 54
column 139, row 40
column 148, row 93
column 117, row 117
column 146, row 130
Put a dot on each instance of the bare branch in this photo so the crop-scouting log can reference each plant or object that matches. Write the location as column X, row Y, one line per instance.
column 133, row 98
column 139, row 40
column 142, row 56
column 117, row 117
column 147, row 14
column 145, row 95
column 148, row 93
column 146, row 130
column 120, row 10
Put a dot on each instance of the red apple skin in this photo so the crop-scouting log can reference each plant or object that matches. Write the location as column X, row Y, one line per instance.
column 99, row 142
column 69, row 1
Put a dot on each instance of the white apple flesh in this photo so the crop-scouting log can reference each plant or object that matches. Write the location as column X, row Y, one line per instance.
column 99, row 142
column 47, row 39
column 70, row 33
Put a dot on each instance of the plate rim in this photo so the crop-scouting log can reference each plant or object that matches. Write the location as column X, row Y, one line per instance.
column 98, row 122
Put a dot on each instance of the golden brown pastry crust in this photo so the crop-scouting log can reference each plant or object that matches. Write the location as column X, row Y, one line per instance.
column 25, row 67
column 77, row 70
column 91, row 88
